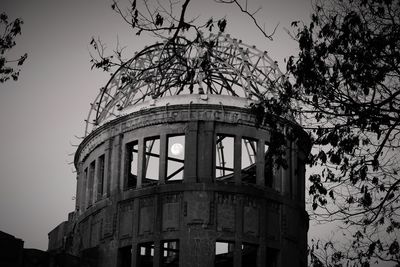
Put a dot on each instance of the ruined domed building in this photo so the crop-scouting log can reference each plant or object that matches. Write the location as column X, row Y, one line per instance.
column 176, row 167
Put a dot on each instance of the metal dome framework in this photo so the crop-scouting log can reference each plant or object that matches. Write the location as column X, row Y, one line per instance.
column 217, row 64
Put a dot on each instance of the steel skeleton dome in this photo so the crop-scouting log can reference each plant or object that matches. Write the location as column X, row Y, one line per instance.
column 217, row 65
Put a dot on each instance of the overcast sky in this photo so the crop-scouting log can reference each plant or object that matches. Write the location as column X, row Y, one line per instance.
column 43, row 111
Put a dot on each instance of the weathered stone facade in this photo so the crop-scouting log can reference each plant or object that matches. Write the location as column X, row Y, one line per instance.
column 139, row 205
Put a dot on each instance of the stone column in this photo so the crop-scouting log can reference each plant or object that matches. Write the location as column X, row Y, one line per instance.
column 163, row 159
column 206, row 150
column 190, row 171
column 260, row 163
column 141, row 162
column 237, row 159
column 116, row 164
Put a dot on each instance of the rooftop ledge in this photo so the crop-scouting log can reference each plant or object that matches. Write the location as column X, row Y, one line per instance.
column 194, row 99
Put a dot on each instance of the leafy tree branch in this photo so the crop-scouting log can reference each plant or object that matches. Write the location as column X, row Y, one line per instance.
column 9, row 30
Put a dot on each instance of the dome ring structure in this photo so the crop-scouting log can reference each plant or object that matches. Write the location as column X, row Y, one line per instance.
column 218, row 65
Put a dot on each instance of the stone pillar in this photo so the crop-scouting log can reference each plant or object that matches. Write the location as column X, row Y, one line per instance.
column 286, row 173
column 206, row 150
column 135, row 230
column 80, row 198
column 190, row 171
column 238, row 231
column 260, row 163
column 141, row 162
column 157, row 232
column 262, row 249
column 116, row 164
column 301, row 174
column 237, row 159
column 107, row 167
column 77, row 195
column 294, row 168
column 163, row 159
column 95, row 180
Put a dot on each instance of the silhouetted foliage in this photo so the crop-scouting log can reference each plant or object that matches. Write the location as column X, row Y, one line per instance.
column 9, row 68
column 165, row 20
column 347, row 81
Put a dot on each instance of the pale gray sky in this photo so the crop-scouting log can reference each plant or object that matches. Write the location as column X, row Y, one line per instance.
column 41, row 113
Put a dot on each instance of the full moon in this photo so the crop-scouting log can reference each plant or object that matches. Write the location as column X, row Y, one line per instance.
column 176, row 149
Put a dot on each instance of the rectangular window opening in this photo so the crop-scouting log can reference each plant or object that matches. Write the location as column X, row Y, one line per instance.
column 151, row 161
column 170, row 253
column 249, row 255
column 125, row 256
column 100, row 178
column 272, row 257
column 224, row 253
column 92, row 168
column 146, row 254
column 175, row 158
column 248, row 158
column 132, row 165
column 224, row 158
